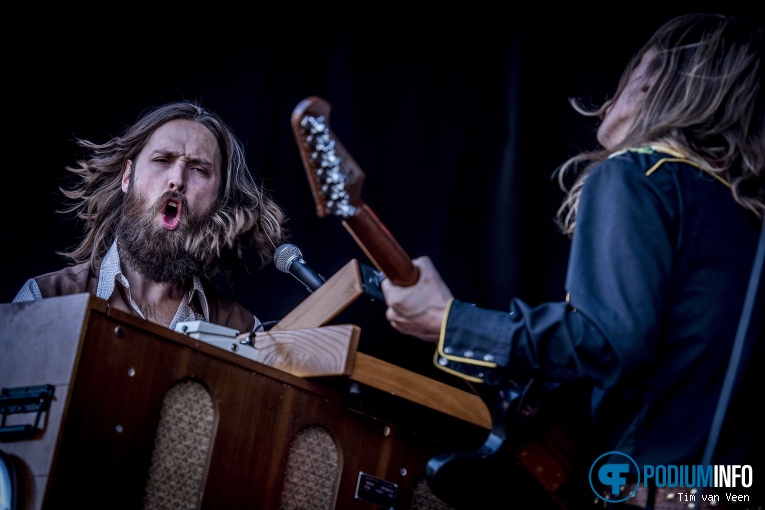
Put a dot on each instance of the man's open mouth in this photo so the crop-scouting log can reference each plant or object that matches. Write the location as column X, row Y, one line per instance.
column 171, row 214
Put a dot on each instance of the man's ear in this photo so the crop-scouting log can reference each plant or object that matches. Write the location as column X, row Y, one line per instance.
column 126, row 173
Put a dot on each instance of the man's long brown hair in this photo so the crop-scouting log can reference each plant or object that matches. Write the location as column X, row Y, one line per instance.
column 244, row 215
column 707, row 101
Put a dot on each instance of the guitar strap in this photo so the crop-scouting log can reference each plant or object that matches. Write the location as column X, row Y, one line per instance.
column 743, row 334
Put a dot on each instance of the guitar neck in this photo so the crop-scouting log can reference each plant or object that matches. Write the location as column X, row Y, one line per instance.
column 336, row 182
column 381, row 247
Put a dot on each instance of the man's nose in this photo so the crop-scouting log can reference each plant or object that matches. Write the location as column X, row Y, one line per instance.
column 176, row 180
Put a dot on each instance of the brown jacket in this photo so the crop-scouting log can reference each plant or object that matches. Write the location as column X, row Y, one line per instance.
column 80, row 278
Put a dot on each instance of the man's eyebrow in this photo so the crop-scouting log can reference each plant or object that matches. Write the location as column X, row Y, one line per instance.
column 173, row 154
column 201, row 161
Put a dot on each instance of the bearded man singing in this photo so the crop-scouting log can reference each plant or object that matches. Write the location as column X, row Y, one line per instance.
column 167, row 206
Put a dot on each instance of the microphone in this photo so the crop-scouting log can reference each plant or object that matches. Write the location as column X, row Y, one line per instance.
column 288, row 259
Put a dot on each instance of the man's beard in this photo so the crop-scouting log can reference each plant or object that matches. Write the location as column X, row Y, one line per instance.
column 155, row 252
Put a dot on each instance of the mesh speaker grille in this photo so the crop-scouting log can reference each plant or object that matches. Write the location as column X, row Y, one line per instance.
column 181, row 448
column 311, row 473
column 424, row 499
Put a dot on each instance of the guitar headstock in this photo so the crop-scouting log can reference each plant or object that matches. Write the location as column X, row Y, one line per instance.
column 333, row 175
column 336, row 181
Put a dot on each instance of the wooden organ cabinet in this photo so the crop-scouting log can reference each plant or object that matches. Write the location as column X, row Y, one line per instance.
column 104, row 410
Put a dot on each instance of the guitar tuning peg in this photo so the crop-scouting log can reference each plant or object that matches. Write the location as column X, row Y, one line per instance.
column 314, row 124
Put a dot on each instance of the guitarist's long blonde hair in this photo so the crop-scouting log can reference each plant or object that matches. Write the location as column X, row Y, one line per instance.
column 708, row 102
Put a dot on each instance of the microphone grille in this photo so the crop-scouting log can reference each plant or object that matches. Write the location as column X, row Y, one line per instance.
column 284, row 255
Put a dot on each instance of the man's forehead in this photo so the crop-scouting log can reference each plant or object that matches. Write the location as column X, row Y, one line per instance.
column 181, row 137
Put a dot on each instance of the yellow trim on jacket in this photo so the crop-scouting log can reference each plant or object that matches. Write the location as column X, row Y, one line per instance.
column 441, row 354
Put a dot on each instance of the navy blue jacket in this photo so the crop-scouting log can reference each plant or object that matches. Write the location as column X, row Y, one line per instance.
column 659, row 266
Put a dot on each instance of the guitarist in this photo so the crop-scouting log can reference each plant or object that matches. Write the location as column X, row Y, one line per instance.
column 664, row 221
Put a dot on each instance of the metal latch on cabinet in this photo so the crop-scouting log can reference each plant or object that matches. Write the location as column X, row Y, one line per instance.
column 24, row 399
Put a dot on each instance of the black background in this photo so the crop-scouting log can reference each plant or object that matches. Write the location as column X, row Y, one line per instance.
column 457, row 118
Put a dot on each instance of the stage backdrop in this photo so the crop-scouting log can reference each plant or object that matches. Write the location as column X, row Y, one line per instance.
column 458, row 122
